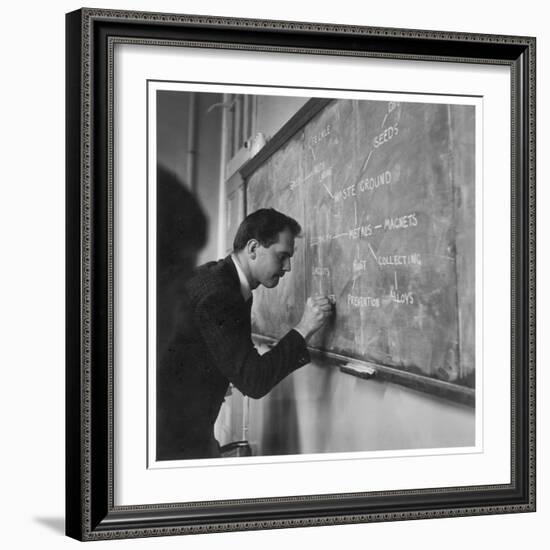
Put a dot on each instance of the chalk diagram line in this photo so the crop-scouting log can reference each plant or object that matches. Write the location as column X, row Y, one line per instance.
column 326, row 238
column 328, row 191
column 365, row 163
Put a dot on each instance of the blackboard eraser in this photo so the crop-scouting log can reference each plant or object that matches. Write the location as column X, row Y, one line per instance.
column 362, row 371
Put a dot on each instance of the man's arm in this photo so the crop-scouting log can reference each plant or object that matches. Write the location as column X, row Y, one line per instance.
column 225, row 329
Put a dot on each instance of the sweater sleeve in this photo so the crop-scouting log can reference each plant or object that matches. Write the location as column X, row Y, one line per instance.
column 225, row 328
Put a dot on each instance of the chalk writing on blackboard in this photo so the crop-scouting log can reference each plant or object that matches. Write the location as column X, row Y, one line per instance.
column 379, row 188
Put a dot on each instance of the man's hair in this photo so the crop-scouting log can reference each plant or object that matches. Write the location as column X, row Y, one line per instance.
column 264, row 225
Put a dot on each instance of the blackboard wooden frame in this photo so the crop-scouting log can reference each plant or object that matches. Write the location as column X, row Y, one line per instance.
column 90, row 510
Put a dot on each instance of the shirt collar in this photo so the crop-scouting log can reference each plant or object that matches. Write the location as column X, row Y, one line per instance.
column 245, row 286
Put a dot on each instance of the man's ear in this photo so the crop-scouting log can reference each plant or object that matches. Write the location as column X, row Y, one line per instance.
column 252, row 248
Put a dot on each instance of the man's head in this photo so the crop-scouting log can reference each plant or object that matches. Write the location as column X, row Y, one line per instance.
column 264, row 244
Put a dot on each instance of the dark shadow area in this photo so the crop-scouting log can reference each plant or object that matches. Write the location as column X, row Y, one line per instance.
column 280, row 428
column 182, row 231
column 56, row 524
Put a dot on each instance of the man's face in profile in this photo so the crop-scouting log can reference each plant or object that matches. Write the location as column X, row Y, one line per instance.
column 272, row 262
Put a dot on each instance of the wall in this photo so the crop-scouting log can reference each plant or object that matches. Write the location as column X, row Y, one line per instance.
column 172, row 136
column 32, row 232
column 173, row 146
column 319, row 409
column 273, row 112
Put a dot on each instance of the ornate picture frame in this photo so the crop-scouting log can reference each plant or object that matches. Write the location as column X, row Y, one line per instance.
column 92, row 510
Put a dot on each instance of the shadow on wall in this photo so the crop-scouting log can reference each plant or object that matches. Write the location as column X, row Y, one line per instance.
column 56, row 524
column 181, row 234
column 280, row 432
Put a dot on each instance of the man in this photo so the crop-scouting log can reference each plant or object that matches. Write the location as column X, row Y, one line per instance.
column 216, row 347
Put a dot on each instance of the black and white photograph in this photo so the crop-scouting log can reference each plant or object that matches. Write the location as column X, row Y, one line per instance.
column 312, row 274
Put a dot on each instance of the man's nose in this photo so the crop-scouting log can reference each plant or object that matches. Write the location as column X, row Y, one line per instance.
column 286, row 265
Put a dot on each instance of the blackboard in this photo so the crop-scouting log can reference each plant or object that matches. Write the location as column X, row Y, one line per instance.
column 385, row 194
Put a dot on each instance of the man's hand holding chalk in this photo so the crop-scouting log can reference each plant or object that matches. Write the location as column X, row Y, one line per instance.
column 318, row 309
